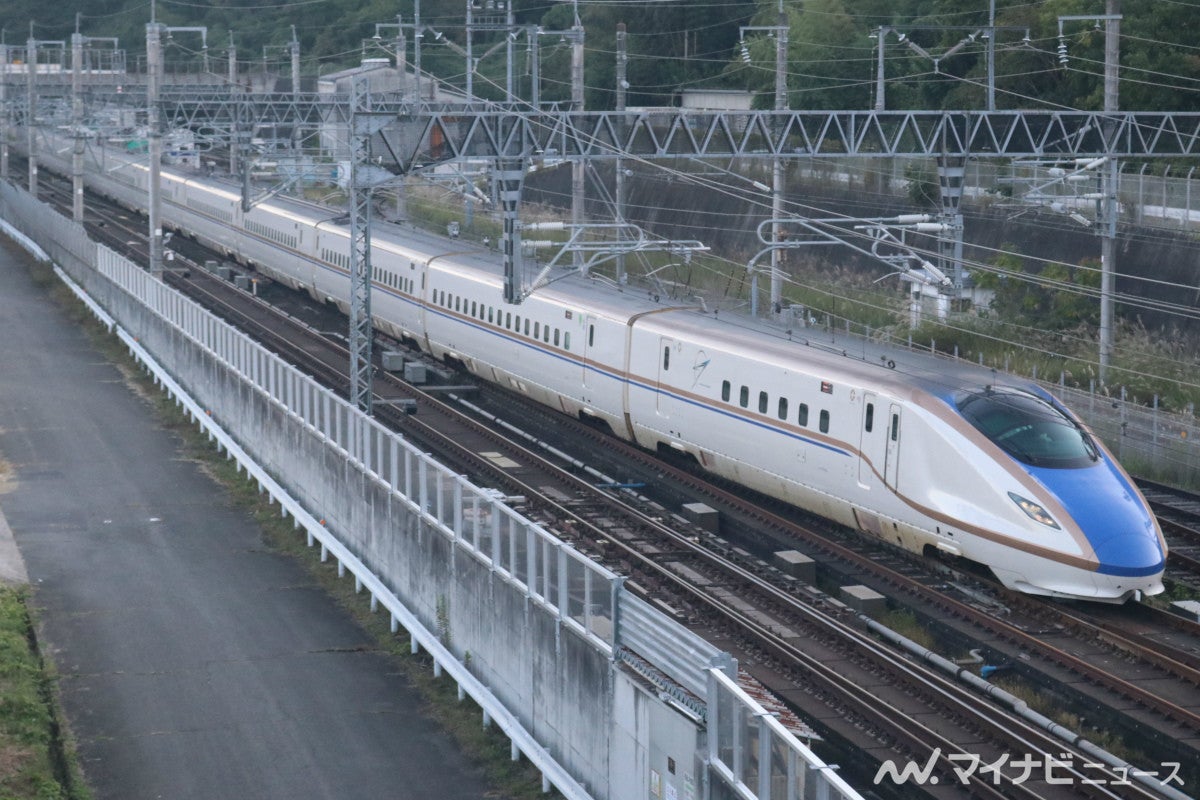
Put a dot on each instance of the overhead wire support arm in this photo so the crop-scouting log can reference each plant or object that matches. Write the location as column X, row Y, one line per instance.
column 629, row 239
column 825, row 231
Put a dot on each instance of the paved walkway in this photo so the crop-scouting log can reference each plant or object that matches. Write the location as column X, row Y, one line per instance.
column 194, row 661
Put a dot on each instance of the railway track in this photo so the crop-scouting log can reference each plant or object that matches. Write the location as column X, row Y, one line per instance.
column 778, row 632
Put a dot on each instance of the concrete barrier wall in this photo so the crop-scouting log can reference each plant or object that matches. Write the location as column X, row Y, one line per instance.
column 526, row 625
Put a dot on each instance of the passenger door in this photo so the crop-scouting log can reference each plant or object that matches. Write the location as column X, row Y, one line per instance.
column 666, row 353
column 589, row 342
column 880, row 443
column 891, row 467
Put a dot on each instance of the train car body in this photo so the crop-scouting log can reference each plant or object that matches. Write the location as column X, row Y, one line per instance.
column 926, row 455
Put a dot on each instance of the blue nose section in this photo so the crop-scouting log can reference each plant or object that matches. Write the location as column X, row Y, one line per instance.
column 1117, row 524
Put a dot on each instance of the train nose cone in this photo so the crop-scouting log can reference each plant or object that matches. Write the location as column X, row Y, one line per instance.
column 1117, row 524
column 1132, row 554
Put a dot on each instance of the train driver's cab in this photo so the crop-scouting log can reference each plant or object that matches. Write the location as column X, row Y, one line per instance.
column 1028, row 428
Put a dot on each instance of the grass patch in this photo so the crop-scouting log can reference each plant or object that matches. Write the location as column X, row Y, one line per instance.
column 34, row 764
column 905, row 623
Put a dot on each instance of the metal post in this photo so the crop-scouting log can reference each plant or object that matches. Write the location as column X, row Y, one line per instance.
column 879, row 90
column 577, row 165
column 232, row 79
column 509, row 22
column 951, row 173
column 1109, row 175
column 401, row 59
column 470, row 60
column 154, row 68
column 510, row 175
column 991, row 56
column 535, row 78
column 77, row 124
column 6, row 124
column 418, row 35
column 360, row 248
column 295, row 49
column 31, row 118
column 619, row 173
column 777, row 170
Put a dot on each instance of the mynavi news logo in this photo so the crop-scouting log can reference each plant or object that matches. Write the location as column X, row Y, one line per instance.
column 1060, row 771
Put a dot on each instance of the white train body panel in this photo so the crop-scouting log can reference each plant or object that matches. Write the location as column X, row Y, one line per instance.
column 906, row 454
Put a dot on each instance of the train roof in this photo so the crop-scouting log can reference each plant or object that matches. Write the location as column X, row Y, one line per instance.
column 839, row 355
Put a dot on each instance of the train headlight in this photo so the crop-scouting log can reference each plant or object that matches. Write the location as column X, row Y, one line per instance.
column 1034, row 511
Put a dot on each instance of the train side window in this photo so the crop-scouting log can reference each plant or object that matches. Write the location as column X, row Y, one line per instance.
column 546, row 334
column 783, row 408
column 725, row 391
column 869, row 418
column 591, row 335
column 474, row 310
column 666, row 358
column 762, row 402
column 527, row 326
column 457, row 301
column 895, row 427
column 508, row 319
column 824, row 425
column 566, row 340
column 517, row 328
column 744, row 397
column 537, row 329
column 490, row 311
column 556, row 337
column 802, row 416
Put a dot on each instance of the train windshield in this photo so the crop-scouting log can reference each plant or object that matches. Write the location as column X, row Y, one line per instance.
column 1029, row 429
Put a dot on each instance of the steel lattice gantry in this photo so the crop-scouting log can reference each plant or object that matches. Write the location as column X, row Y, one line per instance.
column 410, row 136
column 458, row 130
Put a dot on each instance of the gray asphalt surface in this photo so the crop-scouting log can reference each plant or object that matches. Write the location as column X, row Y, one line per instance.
column 194, row 662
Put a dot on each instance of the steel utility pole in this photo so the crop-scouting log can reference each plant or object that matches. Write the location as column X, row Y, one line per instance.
column 780, row 32
column 31, row 58
column 6, row 123
column 77, row 124
column 1108, row 188
column 577, row 165
column 154, row 77
column 154, row 70
column 360, row 248
column 619, row 170
column 1106, row 222
column 778, row 186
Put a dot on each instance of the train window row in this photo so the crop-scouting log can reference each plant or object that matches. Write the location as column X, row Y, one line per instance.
column 781, row 408
column 337, row 259
column 392, row 279
column 386, row 277
column 267, row 232
column 533, row 329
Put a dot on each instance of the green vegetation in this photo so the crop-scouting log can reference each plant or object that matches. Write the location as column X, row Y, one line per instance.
column 33, row 765
column 831, row 57
column 904, row 622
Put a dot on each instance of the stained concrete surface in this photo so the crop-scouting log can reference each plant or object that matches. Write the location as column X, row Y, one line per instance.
column 193, row 661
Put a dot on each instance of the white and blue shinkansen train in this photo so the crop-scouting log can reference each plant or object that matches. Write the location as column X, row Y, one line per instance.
column 942, row 458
